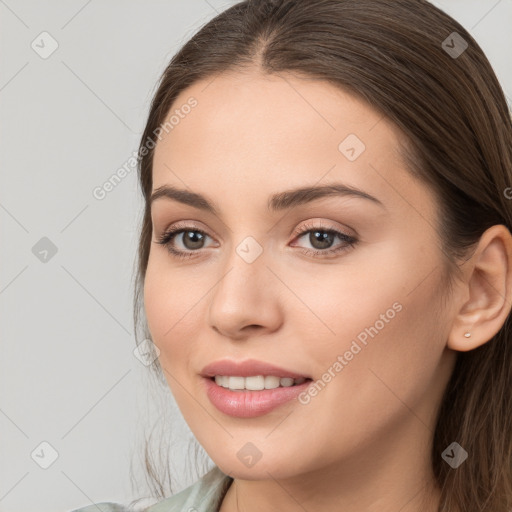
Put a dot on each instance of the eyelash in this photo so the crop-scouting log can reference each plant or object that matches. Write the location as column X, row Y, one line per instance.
column 167, row 238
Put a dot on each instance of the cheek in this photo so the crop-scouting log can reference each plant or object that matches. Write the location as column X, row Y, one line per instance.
column 374, row 333
column 338, row 308
column 173, row 307
column 169, row 307
column 390, row 352
column 155, row 303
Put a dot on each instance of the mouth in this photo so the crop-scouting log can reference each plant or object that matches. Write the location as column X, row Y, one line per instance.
column 254, row 395
column 256, row 382
column 249, row 369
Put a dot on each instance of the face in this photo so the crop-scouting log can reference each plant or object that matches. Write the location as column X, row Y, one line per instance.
column 343, row 288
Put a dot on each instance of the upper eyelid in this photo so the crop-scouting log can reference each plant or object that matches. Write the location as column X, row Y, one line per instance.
column 307, row 224
column 180, row 227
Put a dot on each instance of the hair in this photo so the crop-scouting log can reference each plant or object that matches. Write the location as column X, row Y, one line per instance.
column 457, row 130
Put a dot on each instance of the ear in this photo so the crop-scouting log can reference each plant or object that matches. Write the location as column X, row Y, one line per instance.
column 487, row 291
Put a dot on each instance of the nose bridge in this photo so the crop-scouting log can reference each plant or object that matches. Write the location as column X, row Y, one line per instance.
column 247, row 238
column 250, row 250
column 245, row 265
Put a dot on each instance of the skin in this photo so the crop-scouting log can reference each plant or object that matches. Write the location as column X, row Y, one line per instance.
column 363, row 443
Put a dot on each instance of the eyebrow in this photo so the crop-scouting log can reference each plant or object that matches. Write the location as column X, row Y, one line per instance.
column 277, row 202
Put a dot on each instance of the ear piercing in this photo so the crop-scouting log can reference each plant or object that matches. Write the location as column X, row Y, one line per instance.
column 467, row 334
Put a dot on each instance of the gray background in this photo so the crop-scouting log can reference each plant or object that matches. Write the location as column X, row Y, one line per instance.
column 68, row 375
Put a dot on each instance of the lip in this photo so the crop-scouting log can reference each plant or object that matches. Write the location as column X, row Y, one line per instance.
column 249, row 404
column 247, row 368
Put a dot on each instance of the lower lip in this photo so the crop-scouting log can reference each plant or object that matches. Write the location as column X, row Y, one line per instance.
column 249, row 404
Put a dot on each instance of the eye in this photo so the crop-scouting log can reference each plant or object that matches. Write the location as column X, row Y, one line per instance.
column 320, row 238
column 193, row 240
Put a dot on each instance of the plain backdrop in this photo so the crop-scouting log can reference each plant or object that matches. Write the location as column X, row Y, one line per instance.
column 73, row 397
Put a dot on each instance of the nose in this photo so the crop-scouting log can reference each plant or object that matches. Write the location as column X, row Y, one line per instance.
column 246, row 299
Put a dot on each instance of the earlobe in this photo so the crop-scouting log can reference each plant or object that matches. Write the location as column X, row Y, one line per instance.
column 489, row 286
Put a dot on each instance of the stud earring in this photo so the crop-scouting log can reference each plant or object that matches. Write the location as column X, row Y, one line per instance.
column 467, row 334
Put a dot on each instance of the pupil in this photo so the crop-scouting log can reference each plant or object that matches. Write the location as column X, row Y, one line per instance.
column 323, row 239
column 195, row 238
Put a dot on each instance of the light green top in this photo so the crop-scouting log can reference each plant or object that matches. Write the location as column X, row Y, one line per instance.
column 205, row 495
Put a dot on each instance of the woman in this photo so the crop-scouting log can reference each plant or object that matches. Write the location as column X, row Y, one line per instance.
column 325, row 259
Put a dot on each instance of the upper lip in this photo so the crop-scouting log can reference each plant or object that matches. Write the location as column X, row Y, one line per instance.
column 247, row 368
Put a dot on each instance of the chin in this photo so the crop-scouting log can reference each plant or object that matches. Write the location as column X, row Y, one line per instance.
column 261, row 470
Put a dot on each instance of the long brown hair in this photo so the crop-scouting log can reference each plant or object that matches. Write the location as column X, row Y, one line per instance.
column 398, row 56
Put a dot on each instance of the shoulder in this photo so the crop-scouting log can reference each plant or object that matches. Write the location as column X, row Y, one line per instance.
column 101, row 507
column 203, row 496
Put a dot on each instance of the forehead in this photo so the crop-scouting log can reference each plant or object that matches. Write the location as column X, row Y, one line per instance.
column 250, row 132
column 254, row 109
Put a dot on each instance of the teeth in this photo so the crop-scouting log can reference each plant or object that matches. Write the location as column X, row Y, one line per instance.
column 256, row 383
